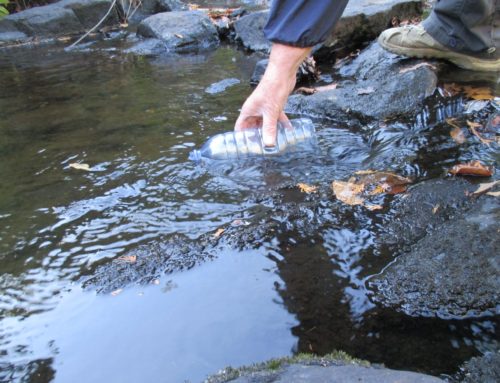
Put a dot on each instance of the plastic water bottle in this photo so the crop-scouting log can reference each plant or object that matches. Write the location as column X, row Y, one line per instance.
column 249, row 143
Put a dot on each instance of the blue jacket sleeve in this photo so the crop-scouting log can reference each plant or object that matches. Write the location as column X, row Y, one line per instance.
column 302, row 23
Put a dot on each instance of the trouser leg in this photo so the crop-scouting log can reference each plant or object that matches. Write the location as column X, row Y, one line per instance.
column 470, row 26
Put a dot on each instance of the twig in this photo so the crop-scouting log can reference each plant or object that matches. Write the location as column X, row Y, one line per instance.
column 95, row 26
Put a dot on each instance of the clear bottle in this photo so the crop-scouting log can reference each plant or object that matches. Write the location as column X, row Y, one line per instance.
column 249, row 143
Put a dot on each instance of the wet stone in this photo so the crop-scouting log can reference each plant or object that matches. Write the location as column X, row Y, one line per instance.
column 484, row 369
column 90, row 12
column 452, row 271
column 47, row 21
column 181, row 32
column 9, row 32
column 391, row 89
column 361, row 21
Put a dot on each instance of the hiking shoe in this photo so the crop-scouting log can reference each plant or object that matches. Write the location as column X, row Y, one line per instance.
column 414, row 41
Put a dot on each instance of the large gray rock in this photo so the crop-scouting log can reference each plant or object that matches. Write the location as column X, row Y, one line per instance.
column 9, row 32
column 298, row 373
column 249, row 31
column 484, row 369
column 48, row 21
column 451, row 272
column 151, row 7
column 381, row 89
column 90, row 12
column 361, row 21
column 181, row 31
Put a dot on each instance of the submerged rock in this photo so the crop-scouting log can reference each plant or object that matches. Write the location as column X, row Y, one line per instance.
column 181, row 31
column 384, row 86
column 452, row 271
column 9, row 32
column 222, row 85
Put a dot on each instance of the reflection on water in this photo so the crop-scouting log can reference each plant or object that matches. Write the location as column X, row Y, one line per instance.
column 134, row 121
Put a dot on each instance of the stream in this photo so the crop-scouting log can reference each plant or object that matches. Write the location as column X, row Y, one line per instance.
column 134, row 120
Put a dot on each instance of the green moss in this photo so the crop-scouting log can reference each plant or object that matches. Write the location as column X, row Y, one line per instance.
column 335, row 358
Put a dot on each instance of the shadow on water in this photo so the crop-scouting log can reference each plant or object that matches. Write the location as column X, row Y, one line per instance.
column 287, row 274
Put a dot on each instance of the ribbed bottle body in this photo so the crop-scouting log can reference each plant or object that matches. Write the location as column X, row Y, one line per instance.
column 249, row 142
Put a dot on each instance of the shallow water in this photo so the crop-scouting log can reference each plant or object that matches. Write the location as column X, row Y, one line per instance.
column 134, row 121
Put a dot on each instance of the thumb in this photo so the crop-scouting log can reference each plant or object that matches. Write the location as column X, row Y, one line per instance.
column 269, row 130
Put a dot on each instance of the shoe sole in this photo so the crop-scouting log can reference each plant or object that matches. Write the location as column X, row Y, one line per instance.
column 460, row 60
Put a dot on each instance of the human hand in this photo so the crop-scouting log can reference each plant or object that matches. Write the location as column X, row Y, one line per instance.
column 264, row 107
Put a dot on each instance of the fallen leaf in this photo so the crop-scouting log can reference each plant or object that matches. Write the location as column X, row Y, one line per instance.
column 305, row 90
column 347, row 192
column 449, row 90
column 127, row 259
column 116, row 292
column 385, row 182
column 219, row 232
column 485, row 187
column 456, row 133
column 416, row 66
column 367, row 90
column 435, row 209
column 305, row 188
column 362, row 172
column 473, row 168
column 178, row 35
column 478, row 93
column 473, row 126
column 374, row 207
column 78, row 166
column 324, row 88
column 308, row 90
column 494, row 194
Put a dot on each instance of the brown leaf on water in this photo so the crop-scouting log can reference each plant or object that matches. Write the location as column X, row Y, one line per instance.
column 456, row 133
column 486, row 187
column 472, row 168
column 416, row 66
column 305, row 188
column 79, row 166
column 473, row 126
column 219, row 232
column 367, row 90
column 478, row 93
column 127, row 259
column 348, row 192
column 385, row 182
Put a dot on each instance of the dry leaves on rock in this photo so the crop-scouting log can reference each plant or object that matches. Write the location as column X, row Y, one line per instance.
column 472, row 168
column 305, row 188
column 472, row 92
column 486, row 187
column 79, row 166
column 473, row 127
column 368, row 183
column 219, row 232
column 416, row 66
column 308, row 90
column 456, row 133
column 126, row 259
